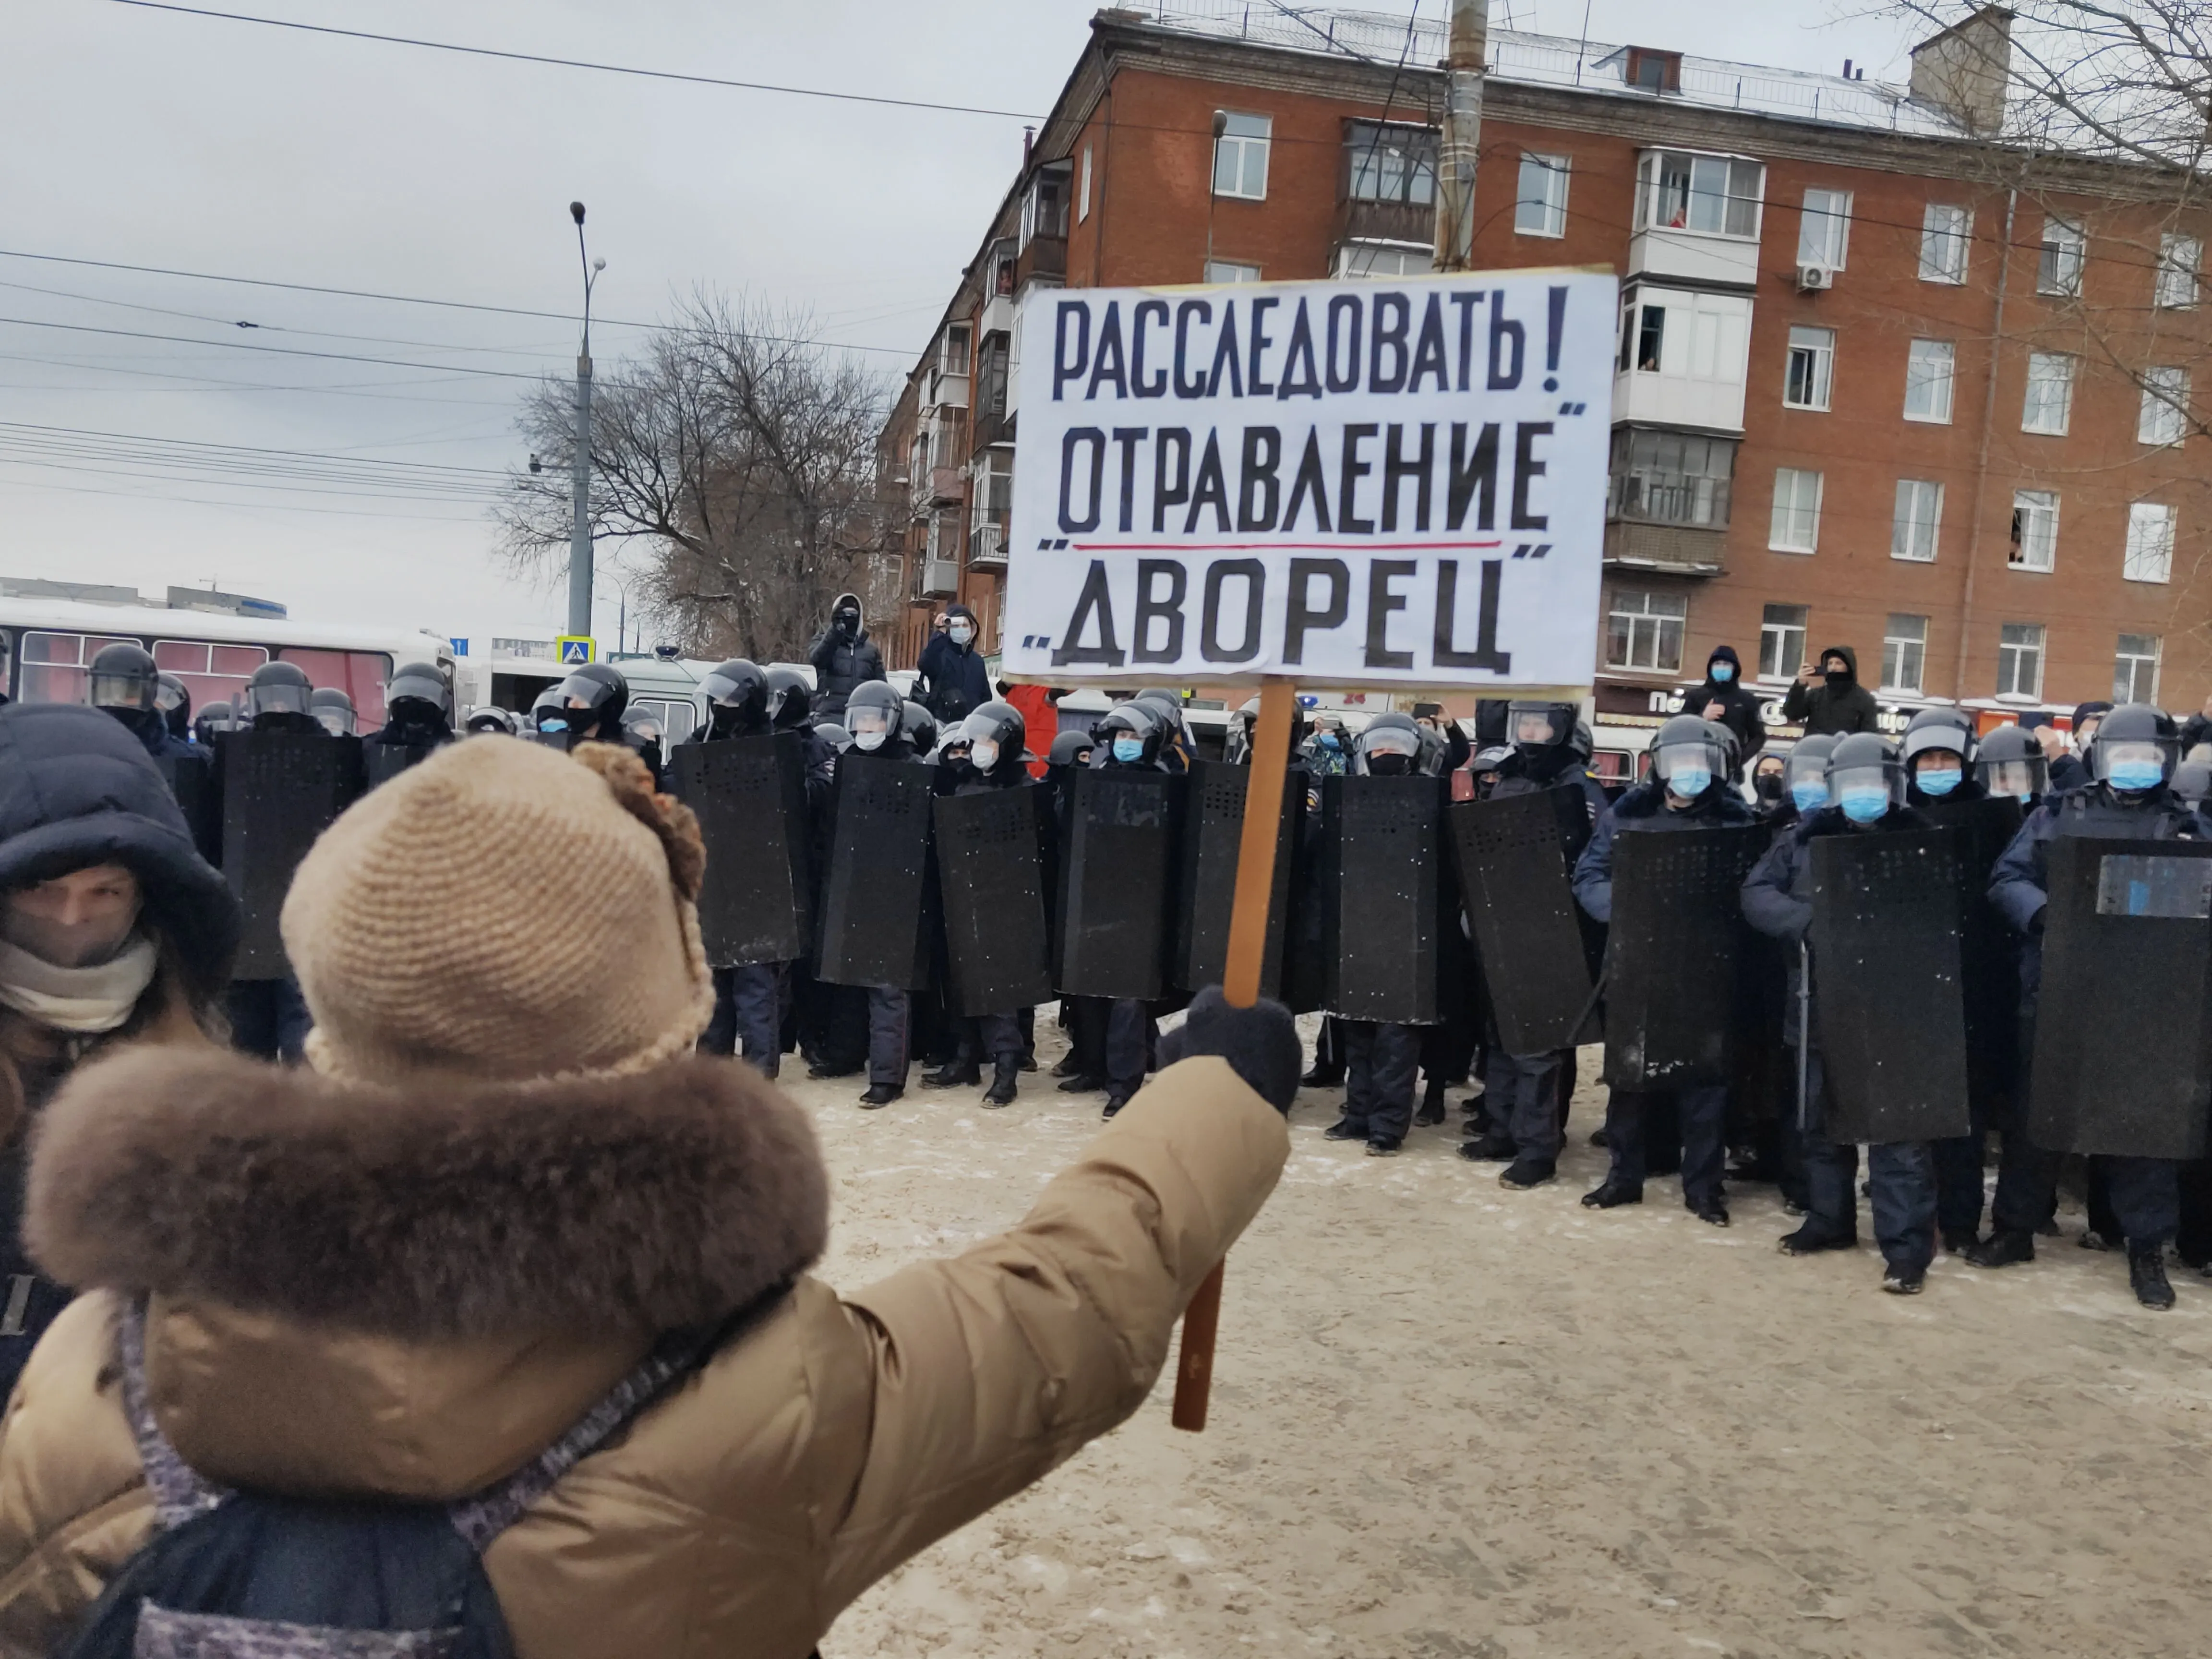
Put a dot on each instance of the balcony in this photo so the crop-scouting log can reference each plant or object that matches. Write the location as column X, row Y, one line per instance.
column 1687, row 354
column 1697, row 218
column 986, row 543
column 1672, row 549
column 936, row 579
column 1386, row 222
column 947, row 391
column 1045, row 259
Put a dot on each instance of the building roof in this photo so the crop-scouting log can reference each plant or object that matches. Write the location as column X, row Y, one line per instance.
column 1551, row 60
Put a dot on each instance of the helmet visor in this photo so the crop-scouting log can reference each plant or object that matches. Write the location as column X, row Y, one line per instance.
column 1536, row 726
column 867, row 719
column 1687, row 763
column 280, row 698
column 727, row 690
column 338, row 722
column 583, row 692
column 2123, row 762
column 2017, row 778
column 170, row 694
column 1390, row 741
column 123, row 690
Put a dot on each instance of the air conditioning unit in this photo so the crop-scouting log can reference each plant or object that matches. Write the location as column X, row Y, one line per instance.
column 1813, row 278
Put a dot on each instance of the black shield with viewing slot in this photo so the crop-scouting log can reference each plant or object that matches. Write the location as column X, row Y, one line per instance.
column 1384, row 888
column 1213, row 841
column 2127, row 938
column 192, row 780
column 1990, row 954
column 990, row 873
column 1539, row 952
column 750, row 796
column 1674, row 954
column 1888, row 942
column 281, row 789
column 873, row 928
column 1117, row 882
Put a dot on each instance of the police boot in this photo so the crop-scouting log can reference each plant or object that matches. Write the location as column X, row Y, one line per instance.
column 1432, row 1103
column 1525, row 1173
column 879, row 1095
column 1491, row 1148
column 1005, row 1077
column 2002, row 1249
column 1323, row 1076
column 1809, row 1240
column 960, row 1072
column 1612, row 1195
column 1082, row 1083
column 2147, row 1274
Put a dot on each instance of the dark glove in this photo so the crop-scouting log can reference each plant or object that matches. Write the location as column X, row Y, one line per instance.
column 1260, row 1043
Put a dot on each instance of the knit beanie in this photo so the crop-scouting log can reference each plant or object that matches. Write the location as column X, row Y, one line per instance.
column 503, row 912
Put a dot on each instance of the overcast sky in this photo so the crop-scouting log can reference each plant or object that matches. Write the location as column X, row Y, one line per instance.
column 148, row 138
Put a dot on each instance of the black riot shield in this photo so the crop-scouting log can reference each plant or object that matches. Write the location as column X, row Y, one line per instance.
column 1539, row 952
column 1990, row 960
column 191, row 780
column 990, row 869
column 1116, row 883
column 749, row 794
column 873, row 928
column 1384, row 886
column 1672, row 954
column 387, row 761
column 281, row 789
column 1887, row 939
column 1212, row 838
column 2128, row 935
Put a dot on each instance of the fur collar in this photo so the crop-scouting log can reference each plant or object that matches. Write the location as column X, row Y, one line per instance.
column 670, row 1198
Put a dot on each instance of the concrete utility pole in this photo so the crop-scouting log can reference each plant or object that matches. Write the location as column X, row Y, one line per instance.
column 1462, row 135
column 580, row 533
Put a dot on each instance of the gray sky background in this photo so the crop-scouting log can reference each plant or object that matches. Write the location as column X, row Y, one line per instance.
column 152, row 139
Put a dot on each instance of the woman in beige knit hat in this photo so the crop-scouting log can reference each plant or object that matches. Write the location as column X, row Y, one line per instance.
column 403, row 1273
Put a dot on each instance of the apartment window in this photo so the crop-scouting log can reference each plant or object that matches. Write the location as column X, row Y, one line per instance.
column 1928, row 372
column 1650, row 338
column 1945, row 231
column 1653, row 71
column 1240, row 158
column 2149, row 556
column 1824, row 233
column 2058, row 268
column 1391, row 163
column 2034, row 529
column 1541, row 208
column 2178, row 257
column 1913, row 527
column 1083, row 195
column 2050, row 402
column 1383, row 259
column 1672, row 477
column 1782, row 630
column 990, row 366
column 2164, row 418
column 1715, row 195
column 2020, row 660
column 2135, row 669
column 1904, row 653
column 1228, row 271
column 1044, row 204
column 1811, row 367
column 1643, row 631
column 1796, row 526
column 955, row 357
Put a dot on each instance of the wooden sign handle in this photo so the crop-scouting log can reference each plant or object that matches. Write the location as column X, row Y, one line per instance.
column 1247, row 952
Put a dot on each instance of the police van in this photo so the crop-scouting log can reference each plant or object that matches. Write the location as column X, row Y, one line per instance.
column 664, row 682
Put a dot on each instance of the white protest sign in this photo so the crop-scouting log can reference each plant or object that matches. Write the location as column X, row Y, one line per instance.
column 1384, row 483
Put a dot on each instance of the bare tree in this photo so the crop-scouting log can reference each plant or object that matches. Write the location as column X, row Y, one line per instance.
column 735, row 455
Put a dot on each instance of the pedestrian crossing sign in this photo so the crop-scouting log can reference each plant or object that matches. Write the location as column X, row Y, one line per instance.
column 576, row 649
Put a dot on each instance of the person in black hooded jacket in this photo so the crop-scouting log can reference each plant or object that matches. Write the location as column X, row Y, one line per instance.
column 843, row 657
column 950, row 680
column 1839, row 707
column 1724, row 698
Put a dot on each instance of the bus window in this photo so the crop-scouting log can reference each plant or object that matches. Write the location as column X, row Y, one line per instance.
column 57, row 667
column 1611, row 766
column 676, row 716
column 211, row 673
column 360, row 674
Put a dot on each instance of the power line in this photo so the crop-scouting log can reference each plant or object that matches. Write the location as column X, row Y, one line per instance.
column 202, row 444
column 279, row 351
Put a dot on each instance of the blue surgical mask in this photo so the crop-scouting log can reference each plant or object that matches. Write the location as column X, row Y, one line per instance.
column 1940, row 783
column 1723, row 672
column 2137, row 774
column 1327, row 740
column 1690, row 781
column 1128, row 751
column 1810, row 794
column 1863, row 803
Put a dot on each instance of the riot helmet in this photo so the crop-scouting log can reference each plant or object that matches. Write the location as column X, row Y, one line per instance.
column 1489, row 760
column 2010, row 762
column 2135, row 748
column 1939, row 745
column 918, row 727
column 492, row 718
column 549, row 713
column 995, row 735
column 834, row 735
column 1237, row 747
column 790, row 700
column 214, row 718
column 1731, row 746
column 125, row 679
column 1070, row 749
column 1389, row 746
column 1130, row 736
column 643, row 731
column 277, row 694
column 737, row 698
column 174, row 700
column 874, row 712
column 418, row 695
column 2192, row 782
column 1865, row 777
column 1805, row 773
column 1688, row 755
column 1536, row 728
column 596, row 697
column 333, row 710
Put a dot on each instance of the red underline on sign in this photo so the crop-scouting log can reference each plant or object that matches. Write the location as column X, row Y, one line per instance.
column 1284, row 547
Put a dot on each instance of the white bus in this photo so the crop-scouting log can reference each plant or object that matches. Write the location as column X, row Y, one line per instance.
column 48, row 646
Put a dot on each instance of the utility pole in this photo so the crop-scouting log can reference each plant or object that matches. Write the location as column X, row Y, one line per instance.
column 1213, row 164
column 580, row 533
column 1462, row 135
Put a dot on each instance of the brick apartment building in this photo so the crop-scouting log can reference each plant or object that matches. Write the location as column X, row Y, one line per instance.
column 1868, row 393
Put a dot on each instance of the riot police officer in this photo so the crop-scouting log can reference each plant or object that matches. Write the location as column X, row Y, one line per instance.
column 1939, row 753
column 644, row 734
column 212, row 721
column 1805, row 778
column 269, row 1017
column 492, row 718
column 1868, row 784
column 589, row 705
column 874, row 719
column 1688, row 789
column 2131, row 759
column 174, row 700
column 126, row 684
column 1139, row 735
column 279, row 696
column 418, row 709
column 333, row 710
column 737, row 702
column 2009, row 761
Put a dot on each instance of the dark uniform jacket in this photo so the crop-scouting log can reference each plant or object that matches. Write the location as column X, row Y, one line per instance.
column 1644, row 808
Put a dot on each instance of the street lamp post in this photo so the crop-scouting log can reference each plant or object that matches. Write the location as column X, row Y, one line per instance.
column 580, row 532
column 1212, row 166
